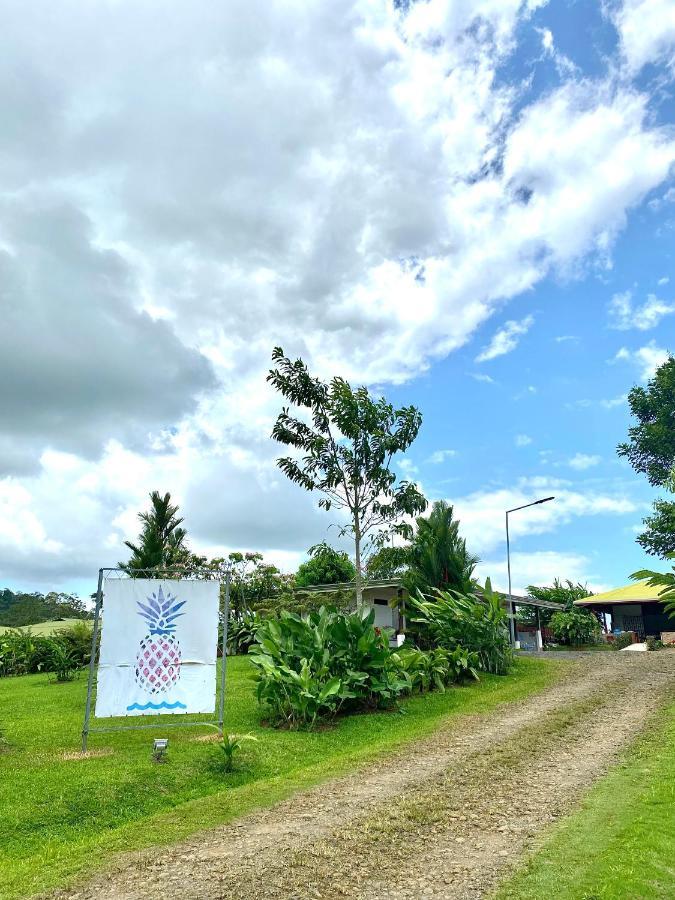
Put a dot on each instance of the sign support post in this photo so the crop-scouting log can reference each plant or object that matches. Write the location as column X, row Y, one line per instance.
column 92, row 660
column 223, row 667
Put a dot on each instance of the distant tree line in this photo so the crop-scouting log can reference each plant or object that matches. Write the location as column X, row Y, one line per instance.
column 18, row 608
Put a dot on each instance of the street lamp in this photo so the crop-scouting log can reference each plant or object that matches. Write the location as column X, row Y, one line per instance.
column 512, row 624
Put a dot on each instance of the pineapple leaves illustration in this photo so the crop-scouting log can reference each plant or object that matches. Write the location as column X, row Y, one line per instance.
column 158, row 660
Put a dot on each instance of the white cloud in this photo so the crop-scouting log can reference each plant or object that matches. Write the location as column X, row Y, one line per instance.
column 563, row 64
column 614, row 401
column 663, row 281
column 658, row 202
column 227, row 186
column 505, row 339
column 567, row 338
column 541, row 568
column 647, row 32
column 408, row 467
column 624, row 314
column 581, row 461
column 647, row 358
column 480, row 376
column 482, row 513
column 522, row 440
column 440, row 456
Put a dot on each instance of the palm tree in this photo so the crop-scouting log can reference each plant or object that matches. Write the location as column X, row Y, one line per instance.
column 438, row 557
column 161, row 543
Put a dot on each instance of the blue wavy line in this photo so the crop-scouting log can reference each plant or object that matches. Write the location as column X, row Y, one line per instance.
column 162, row 705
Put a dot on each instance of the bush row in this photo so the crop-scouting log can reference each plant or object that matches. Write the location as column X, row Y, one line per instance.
column 65, row 651
column 314, row 667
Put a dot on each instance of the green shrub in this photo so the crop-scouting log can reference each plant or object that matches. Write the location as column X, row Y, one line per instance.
column 77, row 641
column 625, row 639
column 231, row 745
column 654, row 643
column 23, row 653
column 475, row 622
column 575, row 626
column 315, row 666
column 426, row 670
column 61, row 661
column 241, row 632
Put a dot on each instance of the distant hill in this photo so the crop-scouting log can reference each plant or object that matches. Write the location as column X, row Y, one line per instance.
column 42, row 628
column 18, row 609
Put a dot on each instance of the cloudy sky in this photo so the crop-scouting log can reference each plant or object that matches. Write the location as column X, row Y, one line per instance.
column 466, row 204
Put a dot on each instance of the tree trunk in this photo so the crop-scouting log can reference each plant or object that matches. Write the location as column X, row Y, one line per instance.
column 359, row 576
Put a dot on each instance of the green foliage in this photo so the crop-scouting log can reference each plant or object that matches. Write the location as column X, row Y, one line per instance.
column 231, row 745
column 76, row 639
column 625, row 639
column 325, row 566
column 651, row 451
column 23, row 653
column 426, row 670
column 61, row 661
column 347, row 451
column 476, row 622
column 437, row 556
column 242, row 630
column 387, row 562
column 561, row 592
column 161, row 543
column 650, row 448
column 575, row 626
column 658, row 538
column 19, row 609
column 666, row 580
column 654, row 643
column 313, row 667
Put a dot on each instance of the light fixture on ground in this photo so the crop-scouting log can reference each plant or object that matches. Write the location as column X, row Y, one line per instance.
column 512, row 621
column 159, row 747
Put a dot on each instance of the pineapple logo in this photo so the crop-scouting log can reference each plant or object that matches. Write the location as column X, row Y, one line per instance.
column 158, row 659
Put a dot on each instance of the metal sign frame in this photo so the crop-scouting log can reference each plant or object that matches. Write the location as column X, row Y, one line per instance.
column 223, row 575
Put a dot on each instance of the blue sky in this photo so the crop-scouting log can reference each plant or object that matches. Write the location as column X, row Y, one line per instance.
column 468, row 205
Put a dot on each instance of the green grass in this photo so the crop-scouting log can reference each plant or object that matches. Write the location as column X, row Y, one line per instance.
column 621, row 843
column 61, row 817
column 41, row 627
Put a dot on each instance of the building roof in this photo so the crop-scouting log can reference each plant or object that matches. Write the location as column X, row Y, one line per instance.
column 368, row 584
column 635, row 592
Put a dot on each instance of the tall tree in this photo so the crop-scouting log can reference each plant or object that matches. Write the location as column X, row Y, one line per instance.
column 161, row 542
column 437, row 556
column 650, row 450
column 325, row 566
column 347, row 451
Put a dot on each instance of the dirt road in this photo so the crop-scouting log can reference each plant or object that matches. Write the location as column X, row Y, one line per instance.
column 445, row 818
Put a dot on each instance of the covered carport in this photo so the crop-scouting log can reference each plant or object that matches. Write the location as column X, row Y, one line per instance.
column 512, row 605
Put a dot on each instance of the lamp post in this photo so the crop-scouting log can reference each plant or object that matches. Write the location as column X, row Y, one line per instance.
column 512, row 623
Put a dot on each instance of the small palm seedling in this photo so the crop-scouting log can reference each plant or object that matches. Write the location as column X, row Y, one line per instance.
column 231, row 745
column 61, row 661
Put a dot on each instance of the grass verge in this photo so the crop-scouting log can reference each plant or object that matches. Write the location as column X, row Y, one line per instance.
column 61, row 816
column 620, row 842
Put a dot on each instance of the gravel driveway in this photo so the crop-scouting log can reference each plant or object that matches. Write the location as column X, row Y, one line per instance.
column 447, row 817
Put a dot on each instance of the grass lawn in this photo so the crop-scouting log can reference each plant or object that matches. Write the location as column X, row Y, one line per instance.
column 621, row 843
column 60, row 816
column 41, row 627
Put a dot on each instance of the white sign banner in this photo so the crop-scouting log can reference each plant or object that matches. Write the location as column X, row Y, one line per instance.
column 158, row 647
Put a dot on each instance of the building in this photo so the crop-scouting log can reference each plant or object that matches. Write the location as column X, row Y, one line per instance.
column 386, row 596
column 635, row 607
